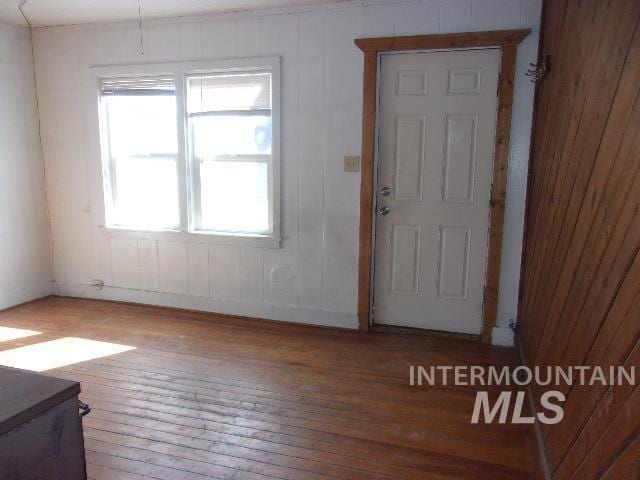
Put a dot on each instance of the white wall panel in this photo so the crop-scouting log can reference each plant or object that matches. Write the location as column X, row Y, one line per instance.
column 162, row 42
column 48, row 111
column 314, row 275
column 281, row 277
column 279, row 37
column 517, row 185
column 247, row 37
column 25, row 261
column 173, row 268
column 455, row 16
column 69, row 198
column 224, row 264
column 379, row 20
column 199, row 281
column 148, row 264
column 252, row 274
column 124, row 263
column 343, row 84
column 418, row 18
column 312, row 158
column 218, row 39
column 495, row 14
column 531, row 13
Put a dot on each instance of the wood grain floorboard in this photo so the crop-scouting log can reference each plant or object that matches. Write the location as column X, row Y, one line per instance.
column 203, row 396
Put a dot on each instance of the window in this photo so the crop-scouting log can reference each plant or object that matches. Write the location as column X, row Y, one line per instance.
column 141, row 144
column 230, row 146
column 191, row 149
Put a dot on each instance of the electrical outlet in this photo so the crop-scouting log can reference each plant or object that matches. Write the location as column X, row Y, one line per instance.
column 97, row 284
column 351, row 163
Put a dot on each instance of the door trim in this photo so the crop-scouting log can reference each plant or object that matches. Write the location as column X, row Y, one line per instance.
column 507, row 41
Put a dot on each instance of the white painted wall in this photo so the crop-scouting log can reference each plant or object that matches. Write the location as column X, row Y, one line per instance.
column 25, row 261
column 321, row 122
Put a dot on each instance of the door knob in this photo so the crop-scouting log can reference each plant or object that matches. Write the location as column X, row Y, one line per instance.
column 384, row 211
column 385, row 191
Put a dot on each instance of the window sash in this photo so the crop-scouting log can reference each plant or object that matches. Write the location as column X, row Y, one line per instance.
column 195, row 164
column 206, row 91
column 195, row 179
column 196, row 186
column 138, row 86
column 258, row 112
column 113, row 184
column 241, row 157
column 132, row 86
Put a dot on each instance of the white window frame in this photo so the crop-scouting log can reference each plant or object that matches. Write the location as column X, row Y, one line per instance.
column 187, row 181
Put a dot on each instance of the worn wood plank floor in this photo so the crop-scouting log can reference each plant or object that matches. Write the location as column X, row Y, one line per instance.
column 202, row 396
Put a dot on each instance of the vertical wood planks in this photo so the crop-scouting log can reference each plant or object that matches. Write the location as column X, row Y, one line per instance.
column 580, row 287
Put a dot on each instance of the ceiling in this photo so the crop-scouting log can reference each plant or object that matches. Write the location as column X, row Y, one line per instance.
column 68, row 12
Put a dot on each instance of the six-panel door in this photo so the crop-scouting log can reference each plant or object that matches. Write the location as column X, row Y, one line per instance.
column 436, row 133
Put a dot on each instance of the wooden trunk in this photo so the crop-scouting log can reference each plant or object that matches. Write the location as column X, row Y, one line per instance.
column 40, row 428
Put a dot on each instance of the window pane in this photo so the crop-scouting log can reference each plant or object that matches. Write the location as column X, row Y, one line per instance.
column 143, row 145
column 234, row 196
column 217, row 92
column 141, row 124
column 231, row 135
column 146, row 193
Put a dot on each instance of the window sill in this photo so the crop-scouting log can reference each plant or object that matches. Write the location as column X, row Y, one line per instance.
column 240, row 239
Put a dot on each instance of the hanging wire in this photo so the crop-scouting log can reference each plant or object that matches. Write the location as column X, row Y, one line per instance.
column 140, row 28
column 22, row 4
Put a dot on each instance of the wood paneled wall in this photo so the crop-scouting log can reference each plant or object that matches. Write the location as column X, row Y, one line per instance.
column 580, row 293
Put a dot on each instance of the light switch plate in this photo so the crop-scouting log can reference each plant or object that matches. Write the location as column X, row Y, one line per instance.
column 351, row 163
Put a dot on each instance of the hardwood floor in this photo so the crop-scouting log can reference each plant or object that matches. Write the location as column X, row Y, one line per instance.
column 202, row 396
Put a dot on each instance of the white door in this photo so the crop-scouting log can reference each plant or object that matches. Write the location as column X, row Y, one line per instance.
column 436, row 137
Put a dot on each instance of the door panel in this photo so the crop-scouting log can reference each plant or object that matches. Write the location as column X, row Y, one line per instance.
column 409, row 157
column 459, row 158
column 453, row 264
column 435, row 154
column 405, row 261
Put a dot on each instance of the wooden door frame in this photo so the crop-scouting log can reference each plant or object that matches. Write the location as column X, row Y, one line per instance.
column 507, row 41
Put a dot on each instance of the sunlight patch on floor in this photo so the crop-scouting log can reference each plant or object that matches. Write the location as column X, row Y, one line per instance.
column 58, row 353
column 8, row 333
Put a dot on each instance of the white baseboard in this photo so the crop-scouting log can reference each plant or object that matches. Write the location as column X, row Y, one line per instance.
column 502, row 336
column 285, row 313
column 17, row 296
